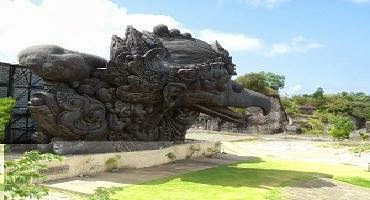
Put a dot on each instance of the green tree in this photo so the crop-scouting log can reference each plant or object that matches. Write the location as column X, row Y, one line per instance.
column 254, row 81
column 340, row 127
column 266, row 83
column 21, row 173
column 6, row 107
column 319, row 93
column 274, row 81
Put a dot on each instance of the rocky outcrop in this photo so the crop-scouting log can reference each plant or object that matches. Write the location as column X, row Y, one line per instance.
column 274, row 122
column 359, row 122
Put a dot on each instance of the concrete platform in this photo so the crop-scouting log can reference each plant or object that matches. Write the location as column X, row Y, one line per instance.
column 89, row 164
column 90, row 147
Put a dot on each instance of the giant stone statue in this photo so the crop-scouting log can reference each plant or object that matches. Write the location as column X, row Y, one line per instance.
column 153, row 88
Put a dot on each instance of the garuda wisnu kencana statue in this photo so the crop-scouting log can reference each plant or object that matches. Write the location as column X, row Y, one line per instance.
column 153, row 88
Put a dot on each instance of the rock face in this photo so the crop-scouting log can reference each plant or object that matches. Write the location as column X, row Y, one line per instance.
column 368, row 126
column 274, row 122
column 153, row 88
column 255, row 121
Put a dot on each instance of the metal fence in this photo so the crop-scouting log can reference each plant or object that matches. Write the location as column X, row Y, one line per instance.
column 18, row 82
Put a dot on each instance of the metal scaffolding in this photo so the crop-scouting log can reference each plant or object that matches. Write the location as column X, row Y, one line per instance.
column 18, row 82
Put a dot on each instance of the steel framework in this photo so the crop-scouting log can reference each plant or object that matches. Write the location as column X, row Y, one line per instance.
column 18, row 82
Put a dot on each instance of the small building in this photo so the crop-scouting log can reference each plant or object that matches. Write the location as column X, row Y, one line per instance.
column 307, row 109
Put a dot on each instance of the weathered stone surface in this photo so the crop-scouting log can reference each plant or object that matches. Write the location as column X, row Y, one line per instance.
column 153, row 88
column 255, row 121
column 274, row 122
column 21, row 148
column 91, row 147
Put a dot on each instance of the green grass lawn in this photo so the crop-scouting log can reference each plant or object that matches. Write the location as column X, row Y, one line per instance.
column 254, row 179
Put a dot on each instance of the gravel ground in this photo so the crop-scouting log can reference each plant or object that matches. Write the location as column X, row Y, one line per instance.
column 291, row 147
column 325, row 189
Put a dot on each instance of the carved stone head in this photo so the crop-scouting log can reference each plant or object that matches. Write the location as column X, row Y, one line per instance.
column 153, row 87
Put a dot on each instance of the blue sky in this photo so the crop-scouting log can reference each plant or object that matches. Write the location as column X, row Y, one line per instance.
column 342, row 27
column 316, row 43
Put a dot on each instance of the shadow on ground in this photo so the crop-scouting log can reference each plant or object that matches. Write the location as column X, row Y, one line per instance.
column 253, row 177
column 235, row 175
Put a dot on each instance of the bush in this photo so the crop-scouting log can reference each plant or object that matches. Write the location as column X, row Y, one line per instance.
column 317, row 126
column 291, row 108
column 340, row 127
column 102, row 193
column 21, row 173
column 6, row 107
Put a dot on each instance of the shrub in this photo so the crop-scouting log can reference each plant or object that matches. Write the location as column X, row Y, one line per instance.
column 112, row 163
column 6, row 106
column 340, row 127
column 363, row 147
column 291, row 108
column 364, row 136
column 102, row 193
column 171, row 156
column 317, row 127
column 21, row 173
column 305, row 126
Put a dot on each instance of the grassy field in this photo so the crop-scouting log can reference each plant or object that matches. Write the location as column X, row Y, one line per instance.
column 254, row 179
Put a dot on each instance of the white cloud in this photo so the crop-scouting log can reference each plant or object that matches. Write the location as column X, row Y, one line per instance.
column 87, row 26
column 265, row 3
column 82, row 25
column 292, row 90
column 231, row 41
column 298, row 44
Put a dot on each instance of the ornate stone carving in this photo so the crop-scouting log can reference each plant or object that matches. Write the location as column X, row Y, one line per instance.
column 153, row 88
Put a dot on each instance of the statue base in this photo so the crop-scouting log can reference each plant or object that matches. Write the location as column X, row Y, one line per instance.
column 111, row 158
column 92, row 147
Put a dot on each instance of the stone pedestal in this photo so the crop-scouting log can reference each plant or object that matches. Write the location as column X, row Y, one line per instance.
column 90, row 147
